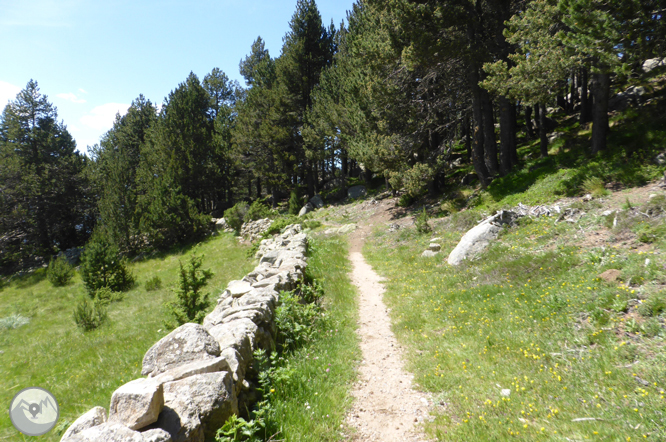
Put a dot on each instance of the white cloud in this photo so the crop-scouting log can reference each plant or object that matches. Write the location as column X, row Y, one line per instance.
column 7, row 92
column 101, row 118
column 82, row 91
column 71, row 97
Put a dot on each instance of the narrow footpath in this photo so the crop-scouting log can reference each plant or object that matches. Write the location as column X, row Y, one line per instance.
column 385, row 408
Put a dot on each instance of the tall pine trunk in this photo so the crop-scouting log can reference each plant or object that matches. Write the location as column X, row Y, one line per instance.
column 507, row 134
column 601, row 91
column 478, row 150
column 468, row 138
column 490, row 144
column 528, row 122
column 584, row 98
column 543, row 145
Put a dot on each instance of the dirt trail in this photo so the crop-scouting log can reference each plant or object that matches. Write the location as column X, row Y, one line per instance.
column 386, row 408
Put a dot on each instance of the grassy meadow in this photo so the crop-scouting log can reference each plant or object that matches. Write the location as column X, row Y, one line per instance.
column 83, row 369
column 583, row 358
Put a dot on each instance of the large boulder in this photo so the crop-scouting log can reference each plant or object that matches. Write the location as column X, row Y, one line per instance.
column 356, row 192
column 317, row 202
column 479, row 237
column 307, row 208
column 92, row 418
column 653, row 63
column 187, row 343
column 195, row 407
column 137, row 403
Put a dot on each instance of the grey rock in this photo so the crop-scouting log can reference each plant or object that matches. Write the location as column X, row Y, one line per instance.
column 238, row 334
column 197, row 367
column 306, row 209
column 270, row 257
column 347, row 228
column 238, row 288
column 660, row 159
column 187, row 343
column 137, row 403
column 653, row 63
column 107, row 432
column 156, row 435
column 92, row 418
column 480, row 236
column 356, row 192
column 197, row 406
column 429, row 254
column 317, row 201
column 434, row 247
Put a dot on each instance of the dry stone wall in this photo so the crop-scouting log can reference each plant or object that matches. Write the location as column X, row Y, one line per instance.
column 195, row 376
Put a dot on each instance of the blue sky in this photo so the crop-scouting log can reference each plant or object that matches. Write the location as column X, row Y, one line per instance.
column 92, row 58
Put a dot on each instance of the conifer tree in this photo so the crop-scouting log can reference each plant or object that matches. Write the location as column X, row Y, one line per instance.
column 42, row 202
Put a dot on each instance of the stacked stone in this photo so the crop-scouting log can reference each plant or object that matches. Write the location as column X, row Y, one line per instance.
column 253, row 230
column 196, row 374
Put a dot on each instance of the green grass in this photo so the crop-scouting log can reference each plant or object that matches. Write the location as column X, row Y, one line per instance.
column 531, row 315
column 311, row 398
column 83, row 369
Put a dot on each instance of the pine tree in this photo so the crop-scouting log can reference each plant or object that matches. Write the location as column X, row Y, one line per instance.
column 117, row 159
column 42, row 203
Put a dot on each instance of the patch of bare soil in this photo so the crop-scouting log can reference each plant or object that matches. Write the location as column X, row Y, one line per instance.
column 386, row 407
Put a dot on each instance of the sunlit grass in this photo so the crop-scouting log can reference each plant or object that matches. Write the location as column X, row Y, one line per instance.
column 83, row 369
column 312, row 400
column 531, row 316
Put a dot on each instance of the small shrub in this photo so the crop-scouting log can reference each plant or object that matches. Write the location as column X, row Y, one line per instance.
column 106, row 296
column 191, row 303
column 594, row 186
column 295, row 203
column 60, row 271
column 154, row 283
column 13, row 321
column 102, row 266
column 311, row 224
column 294, row 321
column 257, row 211
column 405, row 200
column 89, row 314
column 235, row 215
column 279, row 224
column 422, row 225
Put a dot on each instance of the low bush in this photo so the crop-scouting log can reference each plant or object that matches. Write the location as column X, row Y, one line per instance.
column 295, row 203
column 89, row 314
column 191, row 303
column 102, row 266
column 235, row 215
column 279, row 224
column 594, row 186
column 60, row 271
column 154, row 283
column 422, row 225
column 257, row 210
